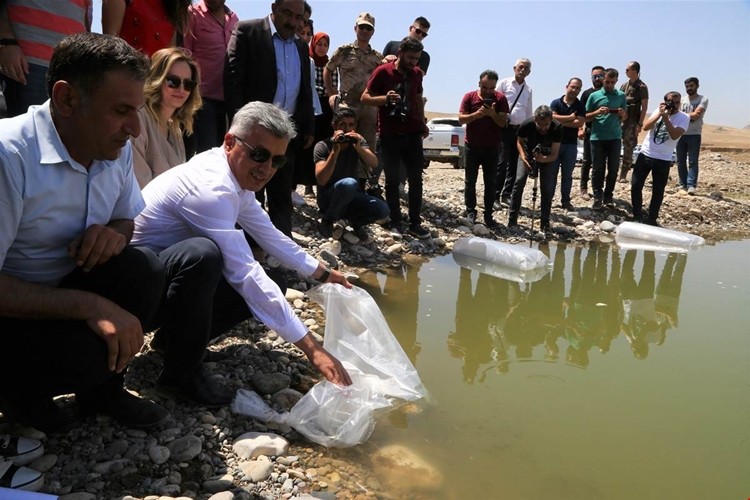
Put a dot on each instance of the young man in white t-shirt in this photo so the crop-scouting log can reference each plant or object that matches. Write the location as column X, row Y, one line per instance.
column 664, row 126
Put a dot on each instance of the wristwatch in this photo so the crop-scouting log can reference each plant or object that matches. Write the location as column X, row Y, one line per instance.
column 4, row 42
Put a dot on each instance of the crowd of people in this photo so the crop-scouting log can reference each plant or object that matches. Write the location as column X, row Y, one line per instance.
column 103, row 239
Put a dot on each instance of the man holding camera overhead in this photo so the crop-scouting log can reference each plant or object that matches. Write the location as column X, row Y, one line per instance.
column 485, row 112
column 665, row 126
column 396, row 89
column 538, row 145
column 340, row 195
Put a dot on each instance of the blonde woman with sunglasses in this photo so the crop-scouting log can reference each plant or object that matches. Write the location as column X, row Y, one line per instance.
column 172, row 99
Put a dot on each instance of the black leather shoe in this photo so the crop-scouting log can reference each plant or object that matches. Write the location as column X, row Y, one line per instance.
column 197, row 387
column 129, row 410
column 40, row 413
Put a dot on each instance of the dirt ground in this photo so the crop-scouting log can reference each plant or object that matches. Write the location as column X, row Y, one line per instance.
column 719, row 211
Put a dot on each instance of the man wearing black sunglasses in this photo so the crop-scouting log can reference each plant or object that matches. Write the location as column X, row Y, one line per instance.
column 214, row 281
column 261, row 66
column 665, row 126
column 418, row 29
column 355, row 63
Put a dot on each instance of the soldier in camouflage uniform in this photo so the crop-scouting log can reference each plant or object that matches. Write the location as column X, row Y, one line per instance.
column 636, row 96
column 355, row 62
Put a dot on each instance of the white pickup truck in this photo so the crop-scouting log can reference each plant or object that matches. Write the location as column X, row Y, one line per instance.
column 445, row 143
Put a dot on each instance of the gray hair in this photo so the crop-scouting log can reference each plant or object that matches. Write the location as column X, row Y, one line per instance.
column 542, row 112
column 524, row 61
column 264, row 115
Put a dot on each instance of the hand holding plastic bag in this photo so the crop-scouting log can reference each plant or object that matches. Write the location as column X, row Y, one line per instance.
column 383, row 377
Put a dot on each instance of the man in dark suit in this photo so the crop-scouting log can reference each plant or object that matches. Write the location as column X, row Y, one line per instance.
column 266, row 62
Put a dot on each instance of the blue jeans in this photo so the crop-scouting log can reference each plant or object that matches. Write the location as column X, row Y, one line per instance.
column 566, row 161
column 393, row 149
column 487, row 159
column 345, row 200
column 605, row 155
column 547, row 181
column 19, row 97
column 210, row 125
column 688, row 149
column 659, row 170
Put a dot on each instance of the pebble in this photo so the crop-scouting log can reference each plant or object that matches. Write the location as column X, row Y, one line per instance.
column 254, row 444
column 607, row 226
column 402, row 469
column 185, row 448
column 361, row 251
column 257, row 470
column 158, row 454
column 292, row 295
column 224, row 495
column 286, row 398
column 269, row 383
column 218, row 483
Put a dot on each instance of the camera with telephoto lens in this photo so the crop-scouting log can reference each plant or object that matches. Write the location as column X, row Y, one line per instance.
column 398, row 109
column 669, row 105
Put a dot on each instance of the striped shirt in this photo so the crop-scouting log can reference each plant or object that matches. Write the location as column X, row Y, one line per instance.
column 39, row 25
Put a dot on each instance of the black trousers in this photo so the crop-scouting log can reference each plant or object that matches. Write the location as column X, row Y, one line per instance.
column 278, row 192
column 41, row 359
column 507, row 161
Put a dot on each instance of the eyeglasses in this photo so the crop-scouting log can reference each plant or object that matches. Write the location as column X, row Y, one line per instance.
column 260, row 154
column 365, row 27
column 597, row 77
column 420, row 32
column 174, row 82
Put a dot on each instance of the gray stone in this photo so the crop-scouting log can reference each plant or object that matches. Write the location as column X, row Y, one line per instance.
column 257, row 470
column 362, row 251
column 158, row 454
column 80, row 495
column 111, row 466
column 224, row 495
column 218, row 483
column 44, row 463
column 254, row 444
column 286, row 398
column 480, row 230
column 269, row 383
column 607, row 226
column 351, row 238
column 185, row 448
column 287, row 460
column 117, row 448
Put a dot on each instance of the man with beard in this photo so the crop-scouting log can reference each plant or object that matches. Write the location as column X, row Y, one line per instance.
column 608, row 109
column 485, row 112
column 266, row 62
column 355, row 63
column 689, row 145
column 396, row 90
column 597, row 80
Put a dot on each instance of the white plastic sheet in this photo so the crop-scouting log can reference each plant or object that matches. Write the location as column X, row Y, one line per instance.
column 518, row 257
column 632, row 235
column 499, row 271
column 383, row 377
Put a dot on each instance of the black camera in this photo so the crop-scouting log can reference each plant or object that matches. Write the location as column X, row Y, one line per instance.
column 669, row 105
column 398, row 109
column 488, row 102
column 542, row 150
column 345, row 139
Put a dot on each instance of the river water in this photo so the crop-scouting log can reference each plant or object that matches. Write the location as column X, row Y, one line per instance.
column 618, row 375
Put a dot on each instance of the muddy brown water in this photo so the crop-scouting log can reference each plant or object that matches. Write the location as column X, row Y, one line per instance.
column 618, row 375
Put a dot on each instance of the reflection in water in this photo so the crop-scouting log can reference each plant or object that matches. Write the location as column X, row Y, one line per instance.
column 509, row 418
column 497, row 322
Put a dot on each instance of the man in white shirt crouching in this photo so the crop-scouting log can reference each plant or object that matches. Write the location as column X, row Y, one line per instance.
column 213, row 280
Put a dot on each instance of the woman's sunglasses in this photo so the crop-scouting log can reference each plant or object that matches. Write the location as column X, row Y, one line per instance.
column 174, row 82
column 259, row 154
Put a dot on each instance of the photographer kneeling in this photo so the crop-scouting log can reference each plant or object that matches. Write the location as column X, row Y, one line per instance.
column 340, row 195
column 664, row 126
column 538, row 144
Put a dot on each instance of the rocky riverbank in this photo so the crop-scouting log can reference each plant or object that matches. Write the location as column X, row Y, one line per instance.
column 209, row 454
